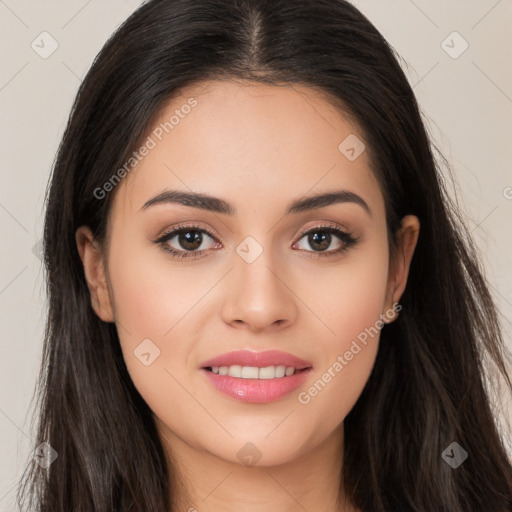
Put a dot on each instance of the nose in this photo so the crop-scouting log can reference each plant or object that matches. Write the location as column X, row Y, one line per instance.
column 258, row 297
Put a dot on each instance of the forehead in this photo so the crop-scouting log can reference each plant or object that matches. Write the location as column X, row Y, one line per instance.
column 252, row 143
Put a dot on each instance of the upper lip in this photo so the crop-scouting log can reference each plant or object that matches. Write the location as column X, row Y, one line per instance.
column 258, row 359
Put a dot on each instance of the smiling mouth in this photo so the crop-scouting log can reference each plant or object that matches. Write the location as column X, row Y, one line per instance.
column 255, row 372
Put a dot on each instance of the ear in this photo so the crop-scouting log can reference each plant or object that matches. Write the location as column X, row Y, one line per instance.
column 95, row 275
column 407, row 237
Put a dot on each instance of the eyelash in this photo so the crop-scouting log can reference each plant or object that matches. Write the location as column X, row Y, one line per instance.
column 347, row 239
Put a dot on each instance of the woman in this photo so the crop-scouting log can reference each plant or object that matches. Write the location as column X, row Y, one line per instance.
column 261, row 297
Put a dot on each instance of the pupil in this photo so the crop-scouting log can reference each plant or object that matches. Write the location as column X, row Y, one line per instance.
column 190, row 242
column 323, row 240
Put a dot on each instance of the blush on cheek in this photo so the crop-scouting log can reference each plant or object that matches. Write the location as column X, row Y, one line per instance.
column 354, row 313
column 149, row 300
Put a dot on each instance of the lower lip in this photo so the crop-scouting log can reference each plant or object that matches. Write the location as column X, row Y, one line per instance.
column 257, row 391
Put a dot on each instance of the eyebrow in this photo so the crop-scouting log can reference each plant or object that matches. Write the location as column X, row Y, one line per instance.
column 214, row 204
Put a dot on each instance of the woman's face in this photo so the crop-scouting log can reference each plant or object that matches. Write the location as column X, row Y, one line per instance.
column 255, row 276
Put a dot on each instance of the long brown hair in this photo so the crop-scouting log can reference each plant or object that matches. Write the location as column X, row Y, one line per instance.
column 428, row 388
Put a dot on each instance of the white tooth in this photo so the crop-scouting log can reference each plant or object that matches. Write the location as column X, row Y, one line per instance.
column 280, row 370
column 267, row 373
column 250, row 372
column 235, row 371
column 254, row 372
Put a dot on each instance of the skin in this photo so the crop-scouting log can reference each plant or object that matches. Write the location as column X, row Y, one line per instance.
column 247, row 143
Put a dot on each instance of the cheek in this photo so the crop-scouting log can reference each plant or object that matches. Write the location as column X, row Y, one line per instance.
column 349, row 296
column 151, row 294
column 154, row 305
column 350, row 304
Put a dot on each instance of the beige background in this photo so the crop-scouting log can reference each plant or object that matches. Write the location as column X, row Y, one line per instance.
column 467, row 102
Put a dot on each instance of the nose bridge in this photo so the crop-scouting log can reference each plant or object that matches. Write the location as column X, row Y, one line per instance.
column 257, row 293
column 255, row 267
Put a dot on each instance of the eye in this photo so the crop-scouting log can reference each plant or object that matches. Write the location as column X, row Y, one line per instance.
column 189, row 240
column 320, row 238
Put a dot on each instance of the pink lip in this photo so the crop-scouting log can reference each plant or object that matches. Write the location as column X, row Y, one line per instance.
column 259, row 359
column 257, row 390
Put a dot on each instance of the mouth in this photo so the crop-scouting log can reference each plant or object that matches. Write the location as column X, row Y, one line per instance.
column 256, row 377
column 255, row 372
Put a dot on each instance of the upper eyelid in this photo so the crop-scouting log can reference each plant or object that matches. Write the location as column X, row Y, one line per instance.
column 326, row 225
column 175, row 230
